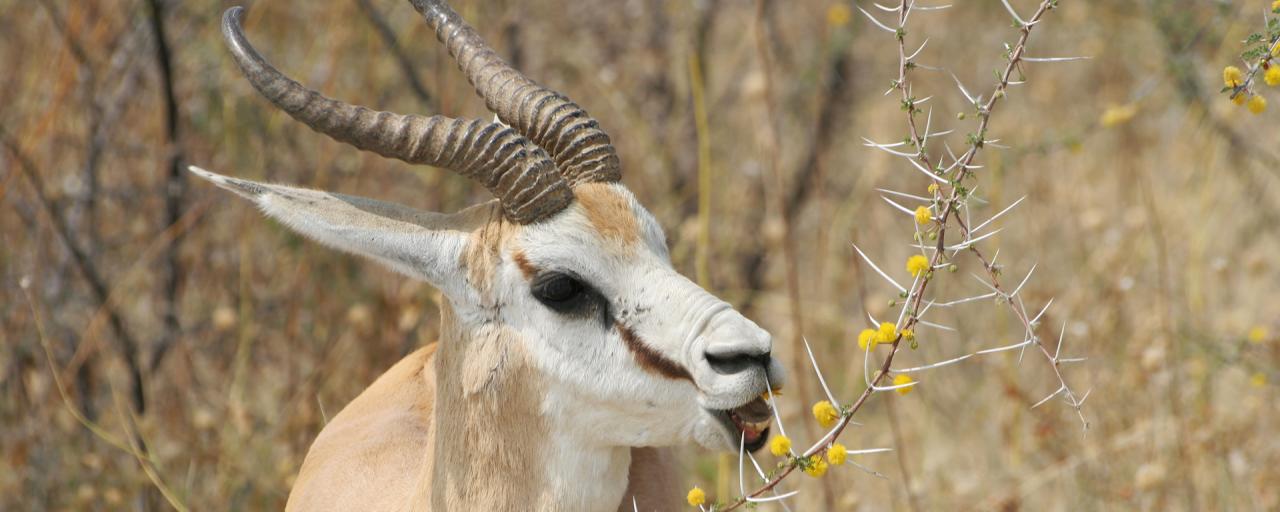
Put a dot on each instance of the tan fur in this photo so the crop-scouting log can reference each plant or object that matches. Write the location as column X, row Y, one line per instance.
column 373, row 452
column 526, row 268
column 609, row 212
column 481, row 257
column 653, row 481
column 380, row 452
column 488, row 397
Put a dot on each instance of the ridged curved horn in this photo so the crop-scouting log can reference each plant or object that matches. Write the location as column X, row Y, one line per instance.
column 517, row 171
column 580, row 148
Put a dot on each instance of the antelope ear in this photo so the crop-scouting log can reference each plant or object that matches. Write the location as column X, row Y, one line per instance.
column 423, row 245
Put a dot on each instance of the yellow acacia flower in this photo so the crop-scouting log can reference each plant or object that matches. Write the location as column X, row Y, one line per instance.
column 816, row 466
column 1258, row 333
column 917, row 264
column 1275, row 5
column 1239, row 99
column 837, row 454
column 1232, row 77
column 887, row 333
column 838, row 15
column 923, row 215
column 901, row 379
column 1258, row 380
column 867, row 337
column 1272, row 76
column 933, row 188
column 825, row 413
column 1257, row 104
column 696, row 497
column 909, row 334
column 780, row 445
column 1117, row 115
column 776, row 391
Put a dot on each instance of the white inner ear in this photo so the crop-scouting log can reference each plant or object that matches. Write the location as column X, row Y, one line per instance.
column 424, row 245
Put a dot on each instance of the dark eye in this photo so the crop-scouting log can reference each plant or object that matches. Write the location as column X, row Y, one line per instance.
column 560, row 292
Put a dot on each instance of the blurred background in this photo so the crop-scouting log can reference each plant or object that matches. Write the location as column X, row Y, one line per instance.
column 177, row 316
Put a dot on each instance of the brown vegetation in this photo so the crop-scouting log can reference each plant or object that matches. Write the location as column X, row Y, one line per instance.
column 216, row 344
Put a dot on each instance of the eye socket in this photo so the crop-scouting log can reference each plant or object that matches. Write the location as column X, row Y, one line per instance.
column 558, row 291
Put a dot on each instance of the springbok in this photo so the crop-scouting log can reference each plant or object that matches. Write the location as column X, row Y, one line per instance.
column 571, row 351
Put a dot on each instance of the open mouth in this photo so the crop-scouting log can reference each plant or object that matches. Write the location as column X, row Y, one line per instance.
column 749, row 422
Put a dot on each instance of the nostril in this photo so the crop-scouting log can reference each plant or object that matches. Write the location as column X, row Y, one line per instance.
column 736, row 362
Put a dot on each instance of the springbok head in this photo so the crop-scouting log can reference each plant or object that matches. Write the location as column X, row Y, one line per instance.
column 565, row 275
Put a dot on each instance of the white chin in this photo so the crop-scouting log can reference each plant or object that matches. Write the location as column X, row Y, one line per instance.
column 711, row 434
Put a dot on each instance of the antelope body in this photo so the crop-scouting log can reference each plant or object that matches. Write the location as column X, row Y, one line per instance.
column 571, row 352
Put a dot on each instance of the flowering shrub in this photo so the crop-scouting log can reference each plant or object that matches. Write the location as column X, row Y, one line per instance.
column 943, row 211
column 1259, row 55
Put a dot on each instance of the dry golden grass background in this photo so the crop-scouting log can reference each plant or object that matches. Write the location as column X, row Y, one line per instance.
column 1156, row 235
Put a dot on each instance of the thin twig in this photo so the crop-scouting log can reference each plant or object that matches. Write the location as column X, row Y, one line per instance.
column 175, row 184
column 97, row 284
column 407, row 67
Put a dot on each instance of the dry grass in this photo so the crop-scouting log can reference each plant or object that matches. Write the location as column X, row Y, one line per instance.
column 1156, row 236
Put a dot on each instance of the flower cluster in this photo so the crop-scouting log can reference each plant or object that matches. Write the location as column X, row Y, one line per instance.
column 917, row 264
column 1259, row 56
column 696, row 497
column 825, row 413
column 780, row 445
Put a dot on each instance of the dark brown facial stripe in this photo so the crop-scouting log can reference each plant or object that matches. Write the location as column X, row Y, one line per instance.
column 649, row 358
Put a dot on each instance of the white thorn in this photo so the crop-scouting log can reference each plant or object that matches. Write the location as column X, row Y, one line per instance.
column 901, row 208
column 906, row 195
column 1061, row 334
column 1002, row 349
column 938, row 326
column 963, row 91
column 877, row 22
column 1024, row 280
column 918, row 50
column 821, row 380
column 967, row 299
column 774, row 405
column 934, row 365
column 996, row 216
column 1047, row 398
column 1011, row 12
column 877, row 269
column 1041, row 313
column 895, row 386
column 1052, row 59
column 868, row 470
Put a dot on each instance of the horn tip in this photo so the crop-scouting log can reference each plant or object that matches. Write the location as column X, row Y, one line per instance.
column 233, row 14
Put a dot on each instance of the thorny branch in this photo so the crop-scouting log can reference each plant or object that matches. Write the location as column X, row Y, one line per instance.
column 951, row 200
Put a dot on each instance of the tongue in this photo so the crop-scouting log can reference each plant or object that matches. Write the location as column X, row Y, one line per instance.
column 754, row 411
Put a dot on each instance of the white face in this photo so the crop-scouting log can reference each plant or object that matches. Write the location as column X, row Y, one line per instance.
column 638, row 354
column 632, row 352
